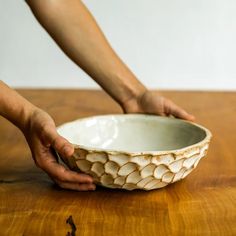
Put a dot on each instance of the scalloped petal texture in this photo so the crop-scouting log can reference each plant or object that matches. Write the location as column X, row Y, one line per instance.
column 129, row 172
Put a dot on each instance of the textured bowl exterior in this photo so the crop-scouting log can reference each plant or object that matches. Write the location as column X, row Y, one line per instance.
column 138, row 170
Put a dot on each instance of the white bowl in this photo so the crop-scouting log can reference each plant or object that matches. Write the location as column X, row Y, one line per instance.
column 135, row 151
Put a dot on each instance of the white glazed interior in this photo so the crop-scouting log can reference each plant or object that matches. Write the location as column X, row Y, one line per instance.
column 133, row 133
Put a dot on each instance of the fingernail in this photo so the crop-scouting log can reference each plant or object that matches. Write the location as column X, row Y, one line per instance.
column 66, row 150
column 192, row 117
column 93, row 187
column 90, row 180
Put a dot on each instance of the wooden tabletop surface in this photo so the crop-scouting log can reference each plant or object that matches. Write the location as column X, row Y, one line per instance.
column 204, row 203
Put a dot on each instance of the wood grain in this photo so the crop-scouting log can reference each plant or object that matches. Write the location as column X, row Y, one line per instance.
column 202, row 204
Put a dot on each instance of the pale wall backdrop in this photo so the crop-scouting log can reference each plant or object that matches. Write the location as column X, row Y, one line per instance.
column 169, row 44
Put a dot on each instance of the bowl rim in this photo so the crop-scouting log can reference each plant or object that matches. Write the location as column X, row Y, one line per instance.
column 206, row 139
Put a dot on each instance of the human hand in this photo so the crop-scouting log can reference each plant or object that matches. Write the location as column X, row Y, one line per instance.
column 41, row 135
column 153, row 103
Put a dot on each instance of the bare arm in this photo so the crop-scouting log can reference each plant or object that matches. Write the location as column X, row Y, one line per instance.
column 76, row 32
column 14, row 107
column 74, row 29
column 40, row 132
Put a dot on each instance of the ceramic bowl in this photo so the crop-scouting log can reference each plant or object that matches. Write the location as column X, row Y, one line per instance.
column 135, row 151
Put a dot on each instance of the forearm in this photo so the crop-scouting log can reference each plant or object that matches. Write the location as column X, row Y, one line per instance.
column 76, row 32
column 14, row 107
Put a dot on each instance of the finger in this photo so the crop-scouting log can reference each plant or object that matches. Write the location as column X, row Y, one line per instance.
column 179, row 112
column 78, row 187
column 62, row 146
column 59, row 172
column 62, row 174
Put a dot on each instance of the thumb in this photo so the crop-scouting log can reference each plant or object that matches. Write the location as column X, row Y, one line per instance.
column 51, row 138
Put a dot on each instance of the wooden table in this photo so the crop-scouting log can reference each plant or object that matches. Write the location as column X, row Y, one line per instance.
column 202, row 204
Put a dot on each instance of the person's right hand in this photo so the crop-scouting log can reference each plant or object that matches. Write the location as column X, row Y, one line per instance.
column 151, row 102
column 41, row 135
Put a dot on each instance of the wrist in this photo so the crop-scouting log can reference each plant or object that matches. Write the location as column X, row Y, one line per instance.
column 27, row 111
column 14, row 107
column 133, row 103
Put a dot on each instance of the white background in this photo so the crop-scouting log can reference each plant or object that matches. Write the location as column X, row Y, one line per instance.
column 169, row 44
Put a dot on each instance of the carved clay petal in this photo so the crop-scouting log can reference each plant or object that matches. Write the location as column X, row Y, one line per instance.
column 97, row 157
column 160, row 171
column 127, row 169
column 148, row 170
column 120, row 159
column 111, row 168
column 84, row 165
column 98, row 169
column 134, row 177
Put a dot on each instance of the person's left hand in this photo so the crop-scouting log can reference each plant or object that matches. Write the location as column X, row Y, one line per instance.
column 153, row 103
